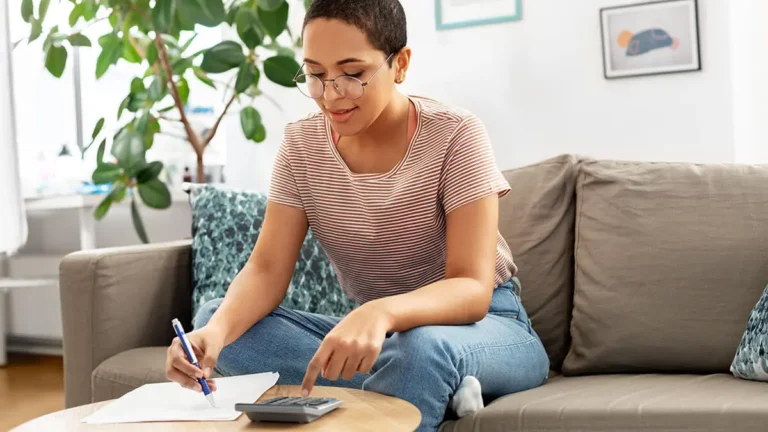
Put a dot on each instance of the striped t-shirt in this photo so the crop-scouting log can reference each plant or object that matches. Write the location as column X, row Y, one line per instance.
column 384, row 233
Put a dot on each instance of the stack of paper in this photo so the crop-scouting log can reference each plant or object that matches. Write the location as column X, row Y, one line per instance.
column 171, row 402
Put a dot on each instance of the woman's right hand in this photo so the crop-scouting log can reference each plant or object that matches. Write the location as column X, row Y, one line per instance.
column 207, row 344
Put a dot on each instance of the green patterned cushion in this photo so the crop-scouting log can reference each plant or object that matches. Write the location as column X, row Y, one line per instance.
column 225, row 225
column 751, row 361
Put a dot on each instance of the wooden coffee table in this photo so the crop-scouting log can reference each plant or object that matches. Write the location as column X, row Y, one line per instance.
column 362, row 411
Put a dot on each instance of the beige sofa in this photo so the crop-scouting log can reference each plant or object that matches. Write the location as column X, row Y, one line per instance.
column 639, row 277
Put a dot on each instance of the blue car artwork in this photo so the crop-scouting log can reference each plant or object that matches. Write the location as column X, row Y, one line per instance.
column 645, row 41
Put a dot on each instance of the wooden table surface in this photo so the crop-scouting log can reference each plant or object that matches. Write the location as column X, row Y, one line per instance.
column 362, row 411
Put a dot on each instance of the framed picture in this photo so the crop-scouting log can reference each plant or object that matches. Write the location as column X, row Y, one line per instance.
column 650, row 38
column 450, row 14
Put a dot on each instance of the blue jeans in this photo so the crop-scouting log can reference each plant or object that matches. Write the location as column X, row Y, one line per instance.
column 424, row 365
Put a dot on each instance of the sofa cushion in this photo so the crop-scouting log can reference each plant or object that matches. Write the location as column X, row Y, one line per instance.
column 651, row 402
column 536, row 218
column 751, row 359
column 127, row 371
column 225, row 225
column 670, row 258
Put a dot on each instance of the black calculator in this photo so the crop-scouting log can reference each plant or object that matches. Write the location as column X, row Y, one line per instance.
column 287, row 409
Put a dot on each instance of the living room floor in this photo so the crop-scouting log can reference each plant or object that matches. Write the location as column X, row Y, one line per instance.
column 30, row 386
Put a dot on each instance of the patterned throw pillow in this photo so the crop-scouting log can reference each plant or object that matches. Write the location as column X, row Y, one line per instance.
column 225, row 225
column 751, row 361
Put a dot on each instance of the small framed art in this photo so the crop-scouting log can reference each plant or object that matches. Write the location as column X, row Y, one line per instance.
column 650, row 38
column 450, row 14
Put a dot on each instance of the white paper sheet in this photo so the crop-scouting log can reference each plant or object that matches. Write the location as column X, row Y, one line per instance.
column 171, row 402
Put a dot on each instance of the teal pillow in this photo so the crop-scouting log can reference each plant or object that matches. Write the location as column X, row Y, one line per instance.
column 225, row 226
column 751, row 360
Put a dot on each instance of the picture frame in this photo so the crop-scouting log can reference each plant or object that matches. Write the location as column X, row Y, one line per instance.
column 453, row 14
column 651, row 38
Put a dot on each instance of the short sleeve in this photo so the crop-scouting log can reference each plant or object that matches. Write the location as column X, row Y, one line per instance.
column 469, row 170
column 283, row 188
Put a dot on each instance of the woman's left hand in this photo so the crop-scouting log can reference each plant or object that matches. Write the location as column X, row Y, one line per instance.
column 352, row 346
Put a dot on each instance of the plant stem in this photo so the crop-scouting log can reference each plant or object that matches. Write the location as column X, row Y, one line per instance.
column 211, row 132
column 192, row 136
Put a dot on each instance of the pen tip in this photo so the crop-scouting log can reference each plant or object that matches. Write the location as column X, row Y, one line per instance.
column 210, row 399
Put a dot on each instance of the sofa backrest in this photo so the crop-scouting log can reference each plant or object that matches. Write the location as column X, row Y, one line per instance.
column 670, row 258
column 537, row 220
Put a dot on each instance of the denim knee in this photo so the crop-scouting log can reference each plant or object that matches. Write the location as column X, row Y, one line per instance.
column 205, row 313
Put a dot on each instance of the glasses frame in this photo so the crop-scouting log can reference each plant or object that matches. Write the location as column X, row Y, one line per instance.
column 335, row 84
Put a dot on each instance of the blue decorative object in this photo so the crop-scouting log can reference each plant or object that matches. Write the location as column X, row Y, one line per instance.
column 443, row 24
column 751, row 360
column 225, row 226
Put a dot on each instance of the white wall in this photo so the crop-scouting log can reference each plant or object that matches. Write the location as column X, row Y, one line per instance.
column 538, row 84
column 750, row 69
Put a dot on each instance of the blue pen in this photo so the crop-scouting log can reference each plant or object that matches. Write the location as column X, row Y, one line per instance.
column 192, row 359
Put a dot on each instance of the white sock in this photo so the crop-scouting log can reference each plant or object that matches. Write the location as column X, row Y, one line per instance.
column 468, row 398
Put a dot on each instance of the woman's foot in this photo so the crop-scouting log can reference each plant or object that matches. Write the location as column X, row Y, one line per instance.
column 468, row 398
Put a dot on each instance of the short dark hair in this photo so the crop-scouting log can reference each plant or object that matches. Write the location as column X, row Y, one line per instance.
column 383, row 21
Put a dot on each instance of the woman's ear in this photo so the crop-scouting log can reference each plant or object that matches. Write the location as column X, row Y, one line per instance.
column 402, row 61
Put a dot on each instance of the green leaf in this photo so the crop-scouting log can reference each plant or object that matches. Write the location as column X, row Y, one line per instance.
column 307, row 3
column 136, row 101
column 203, row 77
column 97, row 128
column 250, row 119
column 183, row 87
column 208, row 13
column 123, row 106
column 55, row 60
column 137, row 85
column 274, row 20
column 43, row 11
column 35, row 30
column 261, row 133
column 248, row 28
column 286, row 52
column 78, row 39
column 222, row 57
column 281, row 70
column 138, row 224
column 155, row 194
column 103, row 208
column 27, row 10
column 152, row 54
column 130, row 53
column 187, row 44
column 149, row 172
column 149, row 136
column 166, row 109
column 162, row 14
column 232, row 14
column 142, row 122
column 112, row 50
column 156, row 90
column 118, row 192
column 271, row 5
column 181, row 65
column 245, row 76
column 128, row 149
column 100, row 152
column 106, row 173
column 90, row 9
column 76, row 13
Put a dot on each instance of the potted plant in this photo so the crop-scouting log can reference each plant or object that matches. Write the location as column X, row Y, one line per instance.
column 157, row 34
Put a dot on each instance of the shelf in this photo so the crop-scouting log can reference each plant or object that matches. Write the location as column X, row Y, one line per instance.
column 74, row 201
column 17, row 283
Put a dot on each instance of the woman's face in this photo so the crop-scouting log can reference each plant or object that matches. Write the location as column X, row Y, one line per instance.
column 333, row 48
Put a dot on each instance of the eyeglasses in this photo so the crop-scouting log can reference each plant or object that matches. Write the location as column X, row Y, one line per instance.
column 348, row 87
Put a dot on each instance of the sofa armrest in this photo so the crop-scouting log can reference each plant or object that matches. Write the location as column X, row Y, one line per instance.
column 116, row 299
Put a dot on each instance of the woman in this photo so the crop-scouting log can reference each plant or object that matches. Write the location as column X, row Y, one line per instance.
column 402, row 193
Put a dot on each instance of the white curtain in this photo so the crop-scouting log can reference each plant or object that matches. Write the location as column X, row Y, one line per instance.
column 13, row 221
